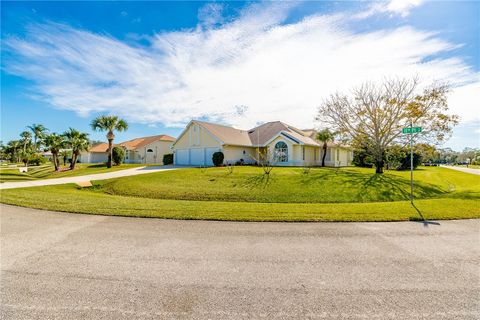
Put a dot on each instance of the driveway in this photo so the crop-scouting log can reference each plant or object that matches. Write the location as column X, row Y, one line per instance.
column 90, row 177
column 71, row 266
column 463, row 169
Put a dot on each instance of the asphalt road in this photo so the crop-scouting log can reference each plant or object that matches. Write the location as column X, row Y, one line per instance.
column 70, row 266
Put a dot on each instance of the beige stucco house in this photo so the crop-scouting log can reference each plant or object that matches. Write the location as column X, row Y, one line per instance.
column 147, row 150
column 286, row 145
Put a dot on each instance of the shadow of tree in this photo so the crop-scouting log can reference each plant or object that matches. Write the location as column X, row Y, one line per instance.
column 257, row 181
column 421, row 218
column 369, row 187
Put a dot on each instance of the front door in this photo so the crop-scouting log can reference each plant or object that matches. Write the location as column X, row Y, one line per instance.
column 150, row 156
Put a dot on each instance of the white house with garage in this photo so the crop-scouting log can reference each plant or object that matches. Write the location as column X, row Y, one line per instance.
column 286, row 145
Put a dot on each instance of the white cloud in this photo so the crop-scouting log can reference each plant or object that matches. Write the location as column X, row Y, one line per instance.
column 249, row 70
column 392, row 7
column 402, row 7
column 464, row 101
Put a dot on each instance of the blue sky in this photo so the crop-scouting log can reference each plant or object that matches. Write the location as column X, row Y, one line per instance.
column 160, row 64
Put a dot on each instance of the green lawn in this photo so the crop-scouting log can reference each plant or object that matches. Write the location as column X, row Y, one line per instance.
column 47, row 172
column 348, row 194
column 287, row 185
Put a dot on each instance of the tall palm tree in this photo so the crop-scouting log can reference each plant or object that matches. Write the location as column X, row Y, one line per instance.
column 109, row 124
column 26, row 139
column 38, row 131
column 54, row 143
column 78, row 142
column 325, row 136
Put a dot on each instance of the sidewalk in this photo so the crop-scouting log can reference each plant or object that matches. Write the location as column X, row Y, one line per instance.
column 90, row 177
column 463, row 169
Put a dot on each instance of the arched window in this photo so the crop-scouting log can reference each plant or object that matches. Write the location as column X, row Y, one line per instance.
column 281, row 152
column 149, row 150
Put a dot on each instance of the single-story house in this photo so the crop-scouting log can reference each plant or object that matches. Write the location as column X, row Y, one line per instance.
column 148, row 150
column 98, row 153
column 284, row 144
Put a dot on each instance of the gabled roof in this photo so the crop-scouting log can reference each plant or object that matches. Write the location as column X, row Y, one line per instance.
column 132, row 144
column 227, row 135
column 101, row 147
column 258, row 136
column 264, row 133
column 141, row 142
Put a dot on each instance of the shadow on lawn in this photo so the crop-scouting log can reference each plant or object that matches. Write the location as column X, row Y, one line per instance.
column 421, row 218
column 371, row 187
column 258, row 181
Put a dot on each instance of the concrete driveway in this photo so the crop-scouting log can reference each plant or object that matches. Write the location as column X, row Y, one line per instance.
column 70, row 266
column 90, row 177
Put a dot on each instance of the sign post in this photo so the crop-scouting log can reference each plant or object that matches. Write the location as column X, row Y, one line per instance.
column 411, row 130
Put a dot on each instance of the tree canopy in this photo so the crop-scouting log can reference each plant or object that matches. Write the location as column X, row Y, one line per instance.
column 378, row 112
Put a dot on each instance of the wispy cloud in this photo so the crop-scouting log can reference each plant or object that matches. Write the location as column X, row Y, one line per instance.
column 254, row 68
column 393, row 7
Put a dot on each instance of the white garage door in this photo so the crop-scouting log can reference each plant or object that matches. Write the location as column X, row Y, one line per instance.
column 181, row 157
column 197, row 157
column 208, row 155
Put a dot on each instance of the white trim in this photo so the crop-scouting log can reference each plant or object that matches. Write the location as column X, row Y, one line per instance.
column 276, row 136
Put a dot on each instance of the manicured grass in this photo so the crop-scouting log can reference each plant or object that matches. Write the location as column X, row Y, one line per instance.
column 292, row 185
column 452, row 195
column 69, row 198
column 47, row 172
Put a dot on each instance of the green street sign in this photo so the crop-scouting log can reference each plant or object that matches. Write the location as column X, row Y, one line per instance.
column 412, row 130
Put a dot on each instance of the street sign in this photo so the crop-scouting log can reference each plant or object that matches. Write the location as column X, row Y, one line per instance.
column 411, row 130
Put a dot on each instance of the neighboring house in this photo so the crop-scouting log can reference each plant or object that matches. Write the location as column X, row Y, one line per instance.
column 288, row 146
column 98, row 153
column 148, row 150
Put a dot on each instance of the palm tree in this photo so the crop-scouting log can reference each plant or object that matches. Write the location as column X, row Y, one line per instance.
column 325, row 136
column 54, row 143
column 78, row 142
column 26, row 139
column 12, row 148
column 109, row 124
column 38, row 131
column 64, row 154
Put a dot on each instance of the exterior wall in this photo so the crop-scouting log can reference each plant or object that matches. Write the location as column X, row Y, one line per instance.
column 304, row 156
column 235, row 153
column 292, row 152
column 296, row 153
column 132, row 157
column 310, row 158
column 339, row 157
column 140, row 155
column 93, row 157
column 196, row 136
